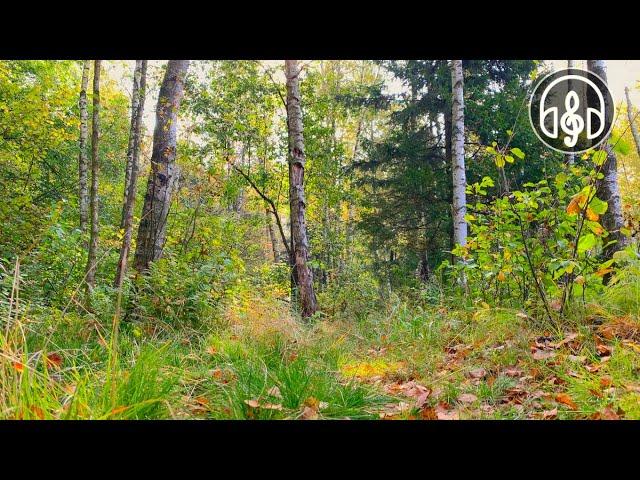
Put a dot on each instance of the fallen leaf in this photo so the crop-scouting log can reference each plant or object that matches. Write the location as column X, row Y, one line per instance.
column 428, row 413
column 592, row 368
column 603, row 350
column 54, row 360
column 606, row 381
column 606, row 414
column 550, row 414
column 543, row 355
column 309, row 413
column 274, row 392
column 478, row 373
column 577, row 358
column 565, row 399
column 443, row 413
column 252, row 403
column 18, row 366
column 512, row 372
column 467, row 398
column 565, row 340
column 211, row 350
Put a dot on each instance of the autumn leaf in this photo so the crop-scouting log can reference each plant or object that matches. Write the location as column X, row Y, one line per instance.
column 603, row 350
column 54, row 360
column 274, row 392
column 309, row 413
column 603, row 271
column 501, row 276
column 18, row 366
column 574, row 204
column 543, row 355
column 565, row 399
column 467, row 398
column 591, row 215
column 606, row 381
column 550, row 414
column 478, row 373
column 444, row 413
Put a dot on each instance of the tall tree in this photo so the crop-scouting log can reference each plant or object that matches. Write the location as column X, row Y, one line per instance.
column 83, row 160
column 135, row 101
column 164, row 171
column 632, row 118
column 95, row 139
column 608, row 188
column 457, row 149
column 570, row 157
column 297, row 202
column 137, row 105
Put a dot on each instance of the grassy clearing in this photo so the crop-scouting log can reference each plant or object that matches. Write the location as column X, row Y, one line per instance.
column 257, row 361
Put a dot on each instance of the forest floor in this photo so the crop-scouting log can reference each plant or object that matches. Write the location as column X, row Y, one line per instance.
column 256, row 361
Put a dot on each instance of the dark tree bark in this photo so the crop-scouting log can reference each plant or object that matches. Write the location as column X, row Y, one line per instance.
column 137, row 105
column 297, row 202
column 164, row 171
column 95, row 139
column 83, row 160
column 608, row 188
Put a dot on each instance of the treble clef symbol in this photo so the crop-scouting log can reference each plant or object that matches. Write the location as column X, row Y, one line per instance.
column 571, row 123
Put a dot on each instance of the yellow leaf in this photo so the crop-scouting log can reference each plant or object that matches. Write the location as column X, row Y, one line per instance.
column 603, row 271
column 501, row 276
column 591, row 215
column 574, row 204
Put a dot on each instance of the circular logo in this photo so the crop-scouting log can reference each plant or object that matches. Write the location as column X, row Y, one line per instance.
column 571, row 110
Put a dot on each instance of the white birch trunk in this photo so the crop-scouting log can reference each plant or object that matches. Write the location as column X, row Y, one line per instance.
column 457, row 147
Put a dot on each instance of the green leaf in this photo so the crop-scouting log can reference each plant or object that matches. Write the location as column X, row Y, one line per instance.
column 598, row 206
column 518, row 153
column 586, row 243
column 599, row 157
column 509, row 158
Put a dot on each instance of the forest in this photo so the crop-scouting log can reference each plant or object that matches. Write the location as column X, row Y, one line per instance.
column 312, row 240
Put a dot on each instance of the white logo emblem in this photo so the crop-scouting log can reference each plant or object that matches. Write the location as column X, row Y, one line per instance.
column 571, row 110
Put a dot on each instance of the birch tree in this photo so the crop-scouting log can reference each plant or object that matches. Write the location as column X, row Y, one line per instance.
column 133, row 154
column 457, row 154
column 135, row 102
column 297, row 202
column 164, row 172
column 93, row 201
column 608, row 188
column 632, row 118
column 83, row 160
column 570, row 157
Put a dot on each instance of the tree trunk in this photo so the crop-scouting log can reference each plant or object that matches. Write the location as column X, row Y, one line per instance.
column 608, row 188
column 137, row 105
column 297, row 202
column 570, row 157
column 271, row 233
column 83, row 160
column 164, row 171
column 457, row 147
column 632, row 123
column 95, row 138
column 135, row 101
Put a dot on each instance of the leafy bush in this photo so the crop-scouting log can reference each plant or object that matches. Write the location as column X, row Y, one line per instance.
column 178, row 292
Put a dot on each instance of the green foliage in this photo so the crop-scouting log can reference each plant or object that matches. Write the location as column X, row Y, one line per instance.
column 176, row 292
